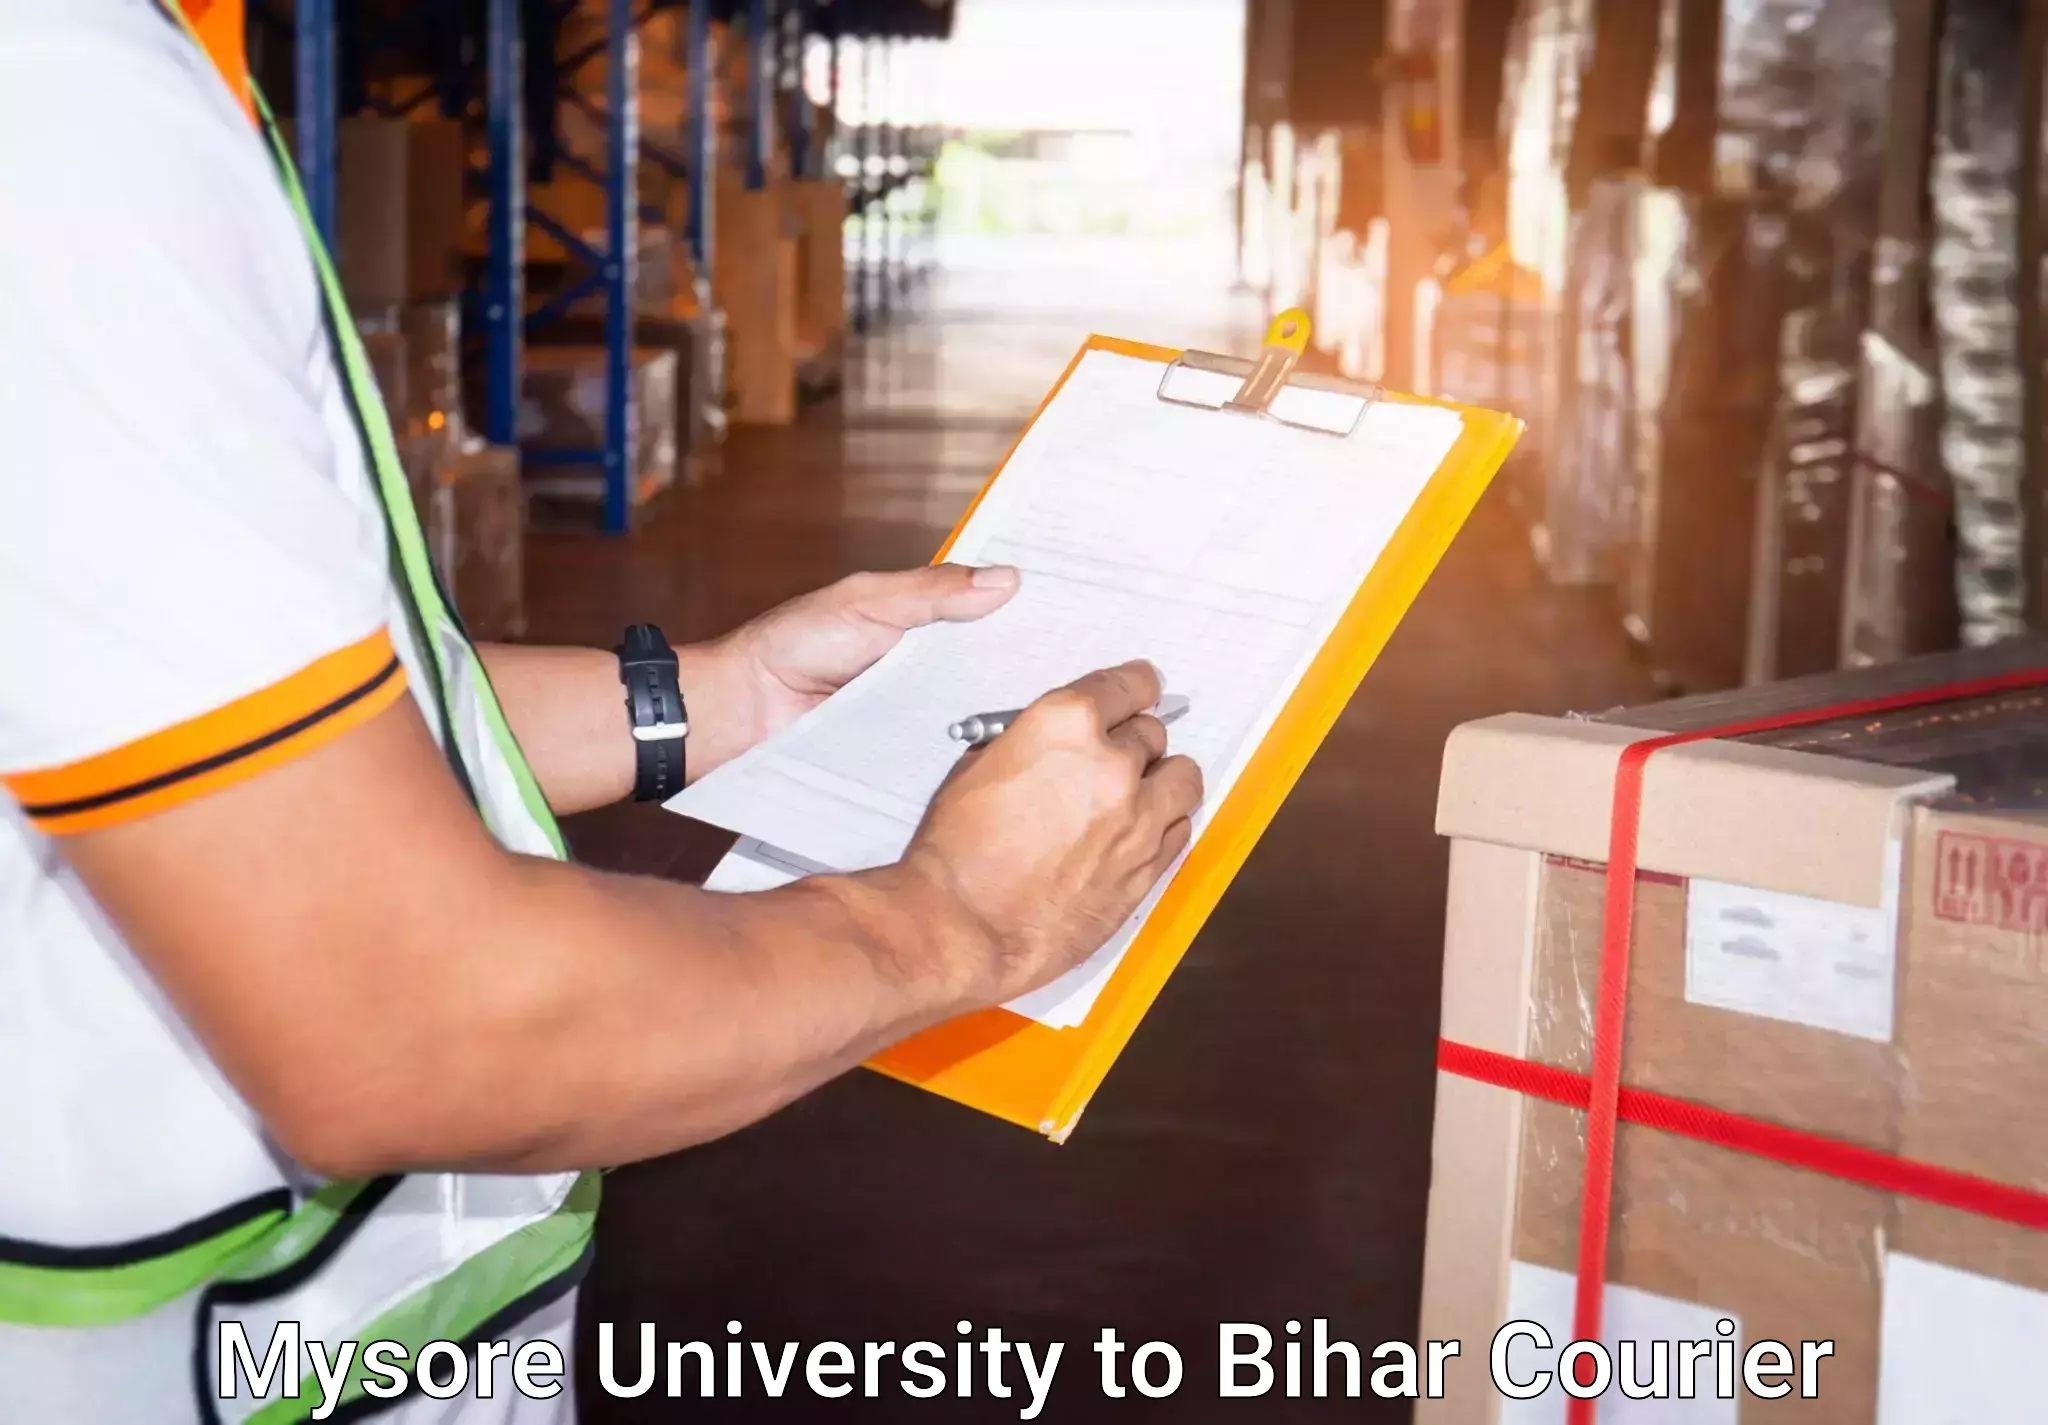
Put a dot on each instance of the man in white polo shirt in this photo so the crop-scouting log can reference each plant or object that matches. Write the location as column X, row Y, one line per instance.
column 303, row 1018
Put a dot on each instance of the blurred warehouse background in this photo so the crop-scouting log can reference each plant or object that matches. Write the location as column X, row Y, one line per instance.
column 1761, row 271
column 1763, row 276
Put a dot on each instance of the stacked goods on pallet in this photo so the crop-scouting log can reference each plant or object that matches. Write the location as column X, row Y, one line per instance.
column 695, row 336
column 1546, row 50
column 371, row 227
column 1590, row 495
column 1836, row 1046
column 766, row 258
column 399, row 215
column 1900, row 585
column 1481, row 320
column 819, row 205
column 1719, row 266
column 1705, row 386
column 1478, row 314
column 415, row 352
column 475, row 523
column 400, row 245
column 1566, row 113
column 673, row 305
column 471, row 505
column 1975, row 283
column 433, row 371
column 1587, row 511
column 756, row 279
column 1351, row 270
column 1823, row 97
column 562, row 412
column 1316, row 167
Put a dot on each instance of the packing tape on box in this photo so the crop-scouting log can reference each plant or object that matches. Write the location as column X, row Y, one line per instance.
column 1607, row 1103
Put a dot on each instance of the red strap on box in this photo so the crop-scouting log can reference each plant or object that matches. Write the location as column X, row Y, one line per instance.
column 1603, row 1092
column 1981, row 1197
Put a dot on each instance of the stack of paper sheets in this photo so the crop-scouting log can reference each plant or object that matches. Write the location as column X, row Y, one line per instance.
column 1221, row 547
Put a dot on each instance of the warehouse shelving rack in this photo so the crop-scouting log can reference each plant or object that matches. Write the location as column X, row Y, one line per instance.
column 499, row 308
column 777, row 36
column 610, row 264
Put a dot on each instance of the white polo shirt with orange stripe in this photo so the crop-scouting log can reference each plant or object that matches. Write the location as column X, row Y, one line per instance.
column 199, row 581
column 193, row 584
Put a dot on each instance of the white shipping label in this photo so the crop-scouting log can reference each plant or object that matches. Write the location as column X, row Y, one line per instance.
column 1959, row 1349
column 1796, row 958
column 1652, row 1322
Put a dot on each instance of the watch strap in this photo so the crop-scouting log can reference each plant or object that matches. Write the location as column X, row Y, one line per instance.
column 658, row 719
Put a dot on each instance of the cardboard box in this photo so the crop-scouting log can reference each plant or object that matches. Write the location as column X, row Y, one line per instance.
column 563, row 404
column 476, row 529
column 820, row 204
column 433, row 364
column 401, row 210
column 416, row 355
column 1836, row 931
column 1973, row 1027
column 371, row 242
column 755, row 277
column 437, row 161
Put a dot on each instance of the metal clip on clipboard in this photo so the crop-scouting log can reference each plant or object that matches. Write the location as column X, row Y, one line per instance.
column 1269, row 387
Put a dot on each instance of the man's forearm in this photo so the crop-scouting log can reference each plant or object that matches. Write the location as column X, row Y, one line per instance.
column 568, row 710
column 390, row 989
column 451, row 1003
column 647, row 1016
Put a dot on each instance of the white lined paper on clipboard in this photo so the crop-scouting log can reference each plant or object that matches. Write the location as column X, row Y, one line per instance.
column 1223, row 549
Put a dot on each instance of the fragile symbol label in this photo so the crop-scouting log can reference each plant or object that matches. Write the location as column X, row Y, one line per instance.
column 1991, row 880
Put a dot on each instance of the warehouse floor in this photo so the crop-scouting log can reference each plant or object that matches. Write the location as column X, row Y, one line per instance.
column 1261, row 1151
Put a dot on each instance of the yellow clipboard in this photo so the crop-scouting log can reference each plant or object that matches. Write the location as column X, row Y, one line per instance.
column 1042, row 1078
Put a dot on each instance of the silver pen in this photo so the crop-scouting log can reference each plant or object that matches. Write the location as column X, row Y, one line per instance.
column 986, row 727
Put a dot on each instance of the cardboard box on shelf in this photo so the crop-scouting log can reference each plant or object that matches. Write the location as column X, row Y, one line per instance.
column 476, row 530
column 433, row 346
column 401, row 214
column 820, row 205
column 415, row 352
column 1836, row 931
column 371, row 233
column 437, row 162
column 562, row 407
column 1900, row 593
column 757, row 286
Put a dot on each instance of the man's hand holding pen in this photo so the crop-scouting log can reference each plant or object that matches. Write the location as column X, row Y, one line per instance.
column 1049, row 836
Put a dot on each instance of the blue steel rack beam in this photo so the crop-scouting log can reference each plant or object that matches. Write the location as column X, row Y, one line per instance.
column 314, row 122
column 612, row 265
column 697, row 120
column 503, row 296
column 622, row 236
column 504, row 293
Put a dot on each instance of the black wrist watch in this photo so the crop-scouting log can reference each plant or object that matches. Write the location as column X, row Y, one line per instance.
column 654, row 706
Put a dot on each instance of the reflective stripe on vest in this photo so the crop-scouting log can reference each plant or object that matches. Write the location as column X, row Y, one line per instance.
column 89, row 1286
column 464, row 684
column 414, row 1258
